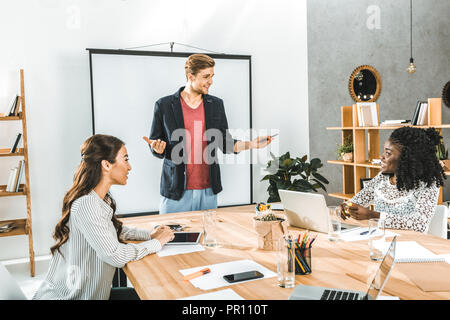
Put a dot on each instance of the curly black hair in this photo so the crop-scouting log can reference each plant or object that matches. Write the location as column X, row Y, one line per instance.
column 418, row 161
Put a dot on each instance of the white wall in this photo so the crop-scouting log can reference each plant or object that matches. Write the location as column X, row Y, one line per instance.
column 48, row 39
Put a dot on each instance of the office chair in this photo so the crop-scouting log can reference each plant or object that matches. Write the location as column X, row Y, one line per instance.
column 10, row 289
column 438, row 224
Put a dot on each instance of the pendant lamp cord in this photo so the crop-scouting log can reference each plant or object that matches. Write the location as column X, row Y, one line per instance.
column 410, row 5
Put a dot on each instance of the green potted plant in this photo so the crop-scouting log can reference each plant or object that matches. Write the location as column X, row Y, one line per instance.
column 345, row 150
column 442, row 155
column 293, row 174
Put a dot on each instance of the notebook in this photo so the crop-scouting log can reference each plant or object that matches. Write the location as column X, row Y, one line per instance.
column 411, row 251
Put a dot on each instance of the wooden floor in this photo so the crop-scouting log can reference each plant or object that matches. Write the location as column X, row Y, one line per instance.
column 341, row 264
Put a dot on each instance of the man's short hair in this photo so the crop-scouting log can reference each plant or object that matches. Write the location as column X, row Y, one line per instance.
column 197, row 62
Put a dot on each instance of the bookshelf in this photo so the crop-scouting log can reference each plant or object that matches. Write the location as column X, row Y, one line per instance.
column 23, row 226
column 366, row 149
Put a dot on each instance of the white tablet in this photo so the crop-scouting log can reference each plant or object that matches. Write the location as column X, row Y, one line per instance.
column 185, row 238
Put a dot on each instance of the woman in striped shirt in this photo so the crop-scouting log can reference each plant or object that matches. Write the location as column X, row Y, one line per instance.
column 89, row 237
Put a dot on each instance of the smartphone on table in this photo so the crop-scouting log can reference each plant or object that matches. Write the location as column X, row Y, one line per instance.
column 242, row 276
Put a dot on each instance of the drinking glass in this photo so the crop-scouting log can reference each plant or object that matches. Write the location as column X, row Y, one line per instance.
column 209, row 228
column 285, row 263
column 334, row 223
column 376, row 239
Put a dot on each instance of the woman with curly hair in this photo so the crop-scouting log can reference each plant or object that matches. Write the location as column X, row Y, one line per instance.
column 406, row 191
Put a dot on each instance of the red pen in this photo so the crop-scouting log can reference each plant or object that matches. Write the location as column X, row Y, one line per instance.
column 196, row 274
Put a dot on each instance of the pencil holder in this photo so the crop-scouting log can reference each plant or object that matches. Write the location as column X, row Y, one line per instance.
column 303, row 261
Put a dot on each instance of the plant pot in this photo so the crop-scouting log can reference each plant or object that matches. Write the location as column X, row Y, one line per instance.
column 269, row 232
column 445, row 164
column 347, row 157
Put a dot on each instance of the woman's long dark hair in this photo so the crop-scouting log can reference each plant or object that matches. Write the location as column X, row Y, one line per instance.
column 87, row 176
column 418, row 161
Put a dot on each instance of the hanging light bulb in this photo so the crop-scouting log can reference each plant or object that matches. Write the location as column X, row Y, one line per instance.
column 412, row 67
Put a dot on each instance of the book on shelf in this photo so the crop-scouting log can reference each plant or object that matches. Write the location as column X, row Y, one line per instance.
column 423, row 115
column 9, row 186
column 367, row 114
column 420, row 115
column 16, row 143
column 416, row 113
column 14, row 106
column 396, row 123
column 18, row 175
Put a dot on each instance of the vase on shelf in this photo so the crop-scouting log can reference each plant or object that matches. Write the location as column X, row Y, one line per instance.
column 347, row 157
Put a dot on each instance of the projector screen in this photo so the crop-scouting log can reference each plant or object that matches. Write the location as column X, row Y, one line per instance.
column 125, row 85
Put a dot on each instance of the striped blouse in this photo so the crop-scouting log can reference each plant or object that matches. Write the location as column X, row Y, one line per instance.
column 92, row 253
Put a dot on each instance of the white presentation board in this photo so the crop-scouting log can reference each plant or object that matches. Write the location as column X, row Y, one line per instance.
column 125, row 86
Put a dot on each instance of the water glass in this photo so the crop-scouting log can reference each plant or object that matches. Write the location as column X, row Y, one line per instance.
column 376, row 239
column 209, row 228
column 285, row 263
column 334, row 223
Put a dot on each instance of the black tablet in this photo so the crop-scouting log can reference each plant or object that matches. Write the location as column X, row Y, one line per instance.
column 185, row 238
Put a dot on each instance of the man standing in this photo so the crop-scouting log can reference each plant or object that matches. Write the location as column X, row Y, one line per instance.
column 181, row 121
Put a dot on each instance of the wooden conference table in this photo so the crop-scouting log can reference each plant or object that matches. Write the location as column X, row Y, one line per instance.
column 334, row 264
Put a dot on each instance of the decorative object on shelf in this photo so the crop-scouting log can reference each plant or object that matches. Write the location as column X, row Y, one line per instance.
column 442, row 155
column 269, row 228
column 284, row 168
column 412, row 67
column 4, row 228
column 345, row 150
column 365, row 84
column 446, row 94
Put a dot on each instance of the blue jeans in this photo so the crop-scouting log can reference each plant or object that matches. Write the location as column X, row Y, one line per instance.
column 192, row 200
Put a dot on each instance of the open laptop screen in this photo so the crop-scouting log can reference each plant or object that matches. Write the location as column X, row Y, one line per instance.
column 383, row 272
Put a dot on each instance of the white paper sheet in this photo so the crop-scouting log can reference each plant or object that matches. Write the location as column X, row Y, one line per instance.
column 215, row 279
column 355, row 235
column 172, row 250
column 226, row 294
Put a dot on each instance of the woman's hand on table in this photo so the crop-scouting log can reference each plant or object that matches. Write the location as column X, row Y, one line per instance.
column 163, row 234
column 359, row 212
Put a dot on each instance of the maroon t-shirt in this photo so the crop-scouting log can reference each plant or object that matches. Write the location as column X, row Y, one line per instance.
column 197, row 171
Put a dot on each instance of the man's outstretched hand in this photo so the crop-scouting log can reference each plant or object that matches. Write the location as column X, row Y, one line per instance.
column 260, row 142
column 157, row 145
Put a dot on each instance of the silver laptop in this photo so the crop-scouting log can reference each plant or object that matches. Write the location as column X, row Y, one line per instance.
column 308, row 211
column 302, row 292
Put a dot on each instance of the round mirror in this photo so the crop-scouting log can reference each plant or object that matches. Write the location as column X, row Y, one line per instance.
column 365, row 84
column 446, row 94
